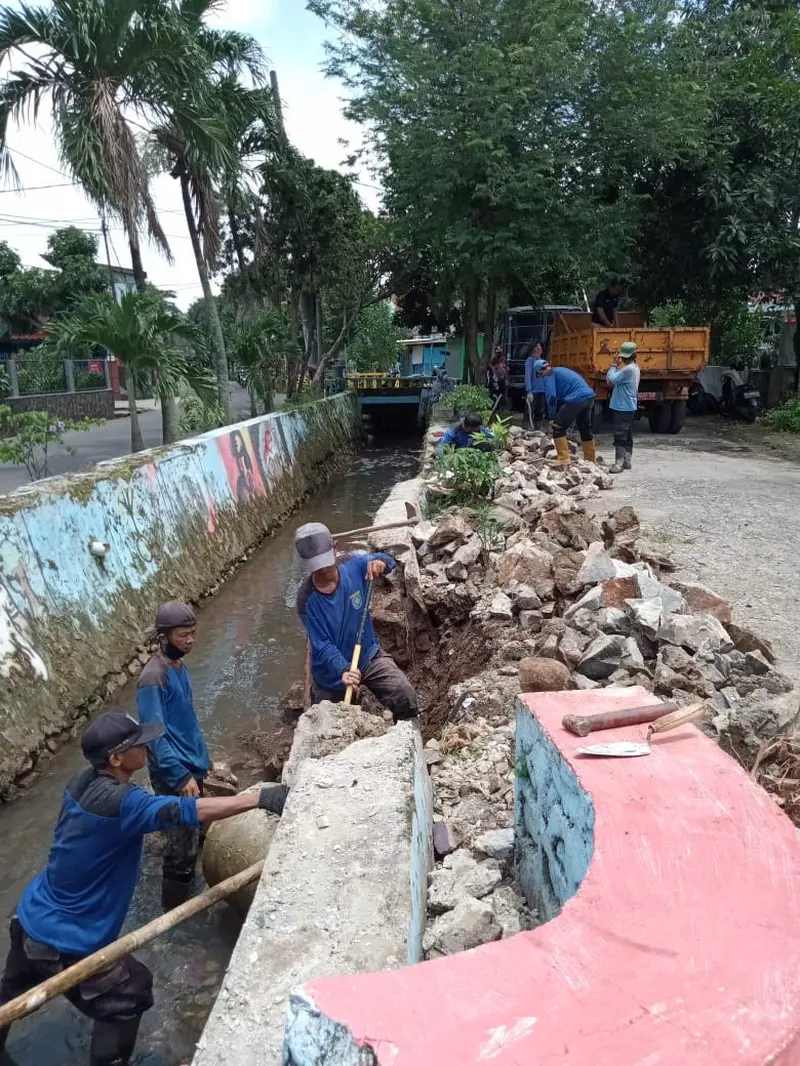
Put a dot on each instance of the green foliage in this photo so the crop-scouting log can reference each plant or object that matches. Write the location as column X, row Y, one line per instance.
column 143, row 332
column 5, row 384
column 488, row 528
column 784, row 419
column 500, row 429
column 469, row 474
column 40, row 371
column 26, row 438
column 471, row 398
column 258, row 349
column 668, row 315
column 736, row 333
column 374, row 344
column 68, row 244
column 9, row 259
column 198, row 417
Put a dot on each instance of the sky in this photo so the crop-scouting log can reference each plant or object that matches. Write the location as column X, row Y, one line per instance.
column 293, row 41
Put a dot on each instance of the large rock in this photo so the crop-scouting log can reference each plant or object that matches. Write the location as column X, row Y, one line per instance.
column 234, row 845
column 606, row 654
column 543, row 675
column 695, row 632
column 528, row 565
column 621, row 526
column 650, row 588
column 460, row 876
column 326, row 729
column 746, row 640
column 571, row 528
column 455, row 528
column 701, row 600
column 471, row 924
column 496, row 844
column 647, row 616
column 600, row 566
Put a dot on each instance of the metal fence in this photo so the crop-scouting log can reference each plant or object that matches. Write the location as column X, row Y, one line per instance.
column 35, row 374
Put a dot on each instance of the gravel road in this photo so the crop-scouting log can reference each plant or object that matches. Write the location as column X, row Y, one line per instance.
column 727, row 510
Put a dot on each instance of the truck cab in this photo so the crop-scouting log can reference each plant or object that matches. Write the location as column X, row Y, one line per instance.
column 521, row 329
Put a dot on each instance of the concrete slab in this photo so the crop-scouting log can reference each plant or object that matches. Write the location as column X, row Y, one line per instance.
column 325, row 729
column 343, row 891
column 676, row 940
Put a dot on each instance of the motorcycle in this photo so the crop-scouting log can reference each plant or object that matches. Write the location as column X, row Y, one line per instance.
column 740, row 399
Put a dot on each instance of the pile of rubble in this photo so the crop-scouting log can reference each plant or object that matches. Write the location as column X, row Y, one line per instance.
column 535, row 594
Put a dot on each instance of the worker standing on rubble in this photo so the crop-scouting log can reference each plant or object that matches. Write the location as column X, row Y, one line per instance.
column 178, row 760
column 78, row 904
column 624, row 377
column 333, row 604
column 569, row 399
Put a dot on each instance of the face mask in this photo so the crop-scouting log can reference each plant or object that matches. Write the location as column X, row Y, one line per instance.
column 172, row 652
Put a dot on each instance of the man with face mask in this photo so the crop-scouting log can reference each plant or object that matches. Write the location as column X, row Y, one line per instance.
column 178, row 761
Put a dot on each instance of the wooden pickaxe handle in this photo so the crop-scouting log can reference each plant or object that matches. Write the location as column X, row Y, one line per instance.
column 348, row 696
column 583, row 725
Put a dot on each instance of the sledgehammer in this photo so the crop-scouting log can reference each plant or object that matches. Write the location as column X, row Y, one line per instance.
column 583, row 725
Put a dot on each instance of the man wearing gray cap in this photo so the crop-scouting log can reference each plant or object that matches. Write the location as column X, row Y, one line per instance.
column 178, row 761
column 331, row 605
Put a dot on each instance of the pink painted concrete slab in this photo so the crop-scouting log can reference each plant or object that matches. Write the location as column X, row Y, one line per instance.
column 681, row 947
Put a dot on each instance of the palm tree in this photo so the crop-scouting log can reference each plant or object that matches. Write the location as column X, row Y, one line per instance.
column 202, row 138
column 257, row 348
column 146, row 335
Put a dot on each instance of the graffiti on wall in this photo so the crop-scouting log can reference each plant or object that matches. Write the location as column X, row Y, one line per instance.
column 18, row 604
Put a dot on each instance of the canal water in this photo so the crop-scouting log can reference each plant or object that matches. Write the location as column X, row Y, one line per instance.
column 250, row 648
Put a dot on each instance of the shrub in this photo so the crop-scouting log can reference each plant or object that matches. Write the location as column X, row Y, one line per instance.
column 25, row 438
column 471, row 398
column 469, row 474
column 198, row 417
column 784, row 419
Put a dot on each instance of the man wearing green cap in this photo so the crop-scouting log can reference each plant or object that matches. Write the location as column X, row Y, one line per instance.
column 623, row 377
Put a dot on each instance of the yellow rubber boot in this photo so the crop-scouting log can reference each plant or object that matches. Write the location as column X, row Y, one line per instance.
column 589, row 451
column 562, row 451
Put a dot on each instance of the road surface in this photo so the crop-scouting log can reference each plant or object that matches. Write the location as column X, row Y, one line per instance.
column 107, row 441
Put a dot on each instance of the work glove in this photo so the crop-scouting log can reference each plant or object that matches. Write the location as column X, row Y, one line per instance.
column 273, row 798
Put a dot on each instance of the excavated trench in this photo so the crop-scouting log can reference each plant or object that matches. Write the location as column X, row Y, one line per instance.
column 249, row 644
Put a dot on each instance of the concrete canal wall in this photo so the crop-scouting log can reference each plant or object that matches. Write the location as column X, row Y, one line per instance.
column 174, row 519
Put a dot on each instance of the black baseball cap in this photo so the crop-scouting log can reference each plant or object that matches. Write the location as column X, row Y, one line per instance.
column 110, row 734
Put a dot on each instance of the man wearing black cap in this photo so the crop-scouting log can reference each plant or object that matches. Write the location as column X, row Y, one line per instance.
column 178, row 760
column 78, row 904
column 331, row 605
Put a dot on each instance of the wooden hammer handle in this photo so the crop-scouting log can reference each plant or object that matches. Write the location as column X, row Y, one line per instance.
column 583, row 725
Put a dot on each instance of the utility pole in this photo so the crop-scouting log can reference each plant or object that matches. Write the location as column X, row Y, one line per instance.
column 104, row 228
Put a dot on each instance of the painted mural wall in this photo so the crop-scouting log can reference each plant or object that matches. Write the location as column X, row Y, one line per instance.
column 173, row 519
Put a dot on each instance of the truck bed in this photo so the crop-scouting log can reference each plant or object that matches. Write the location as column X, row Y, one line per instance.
column 681, row 352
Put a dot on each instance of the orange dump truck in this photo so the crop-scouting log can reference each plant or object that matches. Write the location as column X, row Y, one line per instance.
column 669, row 359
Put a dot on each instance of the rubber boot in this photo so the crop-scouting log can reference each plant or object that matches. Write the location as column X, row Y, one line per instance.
column 619, row 461
column 589, row 451
column 113, row 1042
column 175, row 891
column 626, row 462
column 562, row 451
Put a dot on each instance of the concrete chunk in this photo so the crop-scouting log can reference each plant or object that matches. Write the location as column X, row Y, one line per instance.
column 362, row 910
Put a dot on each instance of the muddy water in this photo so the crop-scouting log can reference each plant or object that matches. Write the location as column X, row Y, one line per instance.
column 249, row 649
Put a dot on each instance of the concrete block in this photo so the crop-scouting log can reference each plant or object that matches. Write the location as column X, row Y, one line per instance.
column 343, row 891
column 675, row 945
column 326, row 729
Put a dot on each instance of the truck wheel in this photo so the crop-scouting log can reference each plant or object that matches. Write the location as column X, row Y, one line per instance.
column 659, row 417
column 677, row 415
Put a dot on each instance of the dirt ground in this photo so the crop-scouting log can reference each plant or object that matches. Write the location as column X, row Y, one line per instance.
column 723, row 500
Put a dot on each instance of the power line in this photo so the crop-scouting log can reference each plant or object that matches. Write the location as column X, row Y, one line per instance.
column 35, row 188
column 16, row 151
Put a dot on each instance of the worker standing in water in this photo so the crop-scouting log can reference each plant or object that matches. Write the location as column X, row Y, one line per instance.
column 78, row 904
column 331, row 604
column 178, row 760
column 624, row 377
column 569, row 399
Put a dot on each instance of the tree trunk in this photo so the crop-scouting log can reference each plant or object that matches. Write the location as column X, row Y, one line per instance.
column 472, row 292
column 137, row 443
column 236, row 237
column 488, row 325
column 796, row 344
column 211, row 304
column 308, row 321
column 318, row 328
column 170, row 427
column 139, row 276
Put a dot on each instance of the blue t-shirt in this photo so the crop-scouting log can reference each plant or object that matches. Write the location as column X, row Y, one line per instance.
column 78, row 903
column 458, row 437
column 625, row 383
column 565, row 386
column 332, row 622
column 164, row 696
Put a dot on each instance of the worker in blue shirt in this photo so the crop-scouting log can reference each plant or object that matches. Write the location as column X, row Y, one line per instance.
column 534, row 389
column 461, row 435
column 78, row 904
column 569, row 399
column 178, row 761
column 331, row 604
column 624, row 377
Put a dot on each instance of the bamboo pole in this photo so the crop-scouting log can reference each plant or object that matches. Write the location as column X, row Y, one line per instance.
column 101, row 960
